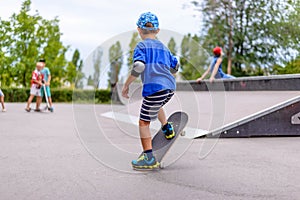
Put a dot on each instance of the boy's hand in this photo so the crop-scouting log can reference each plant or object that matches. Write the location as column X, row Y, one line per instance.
column 212, row 79
column 125, row 91
column 199, row 80
column 47, row 84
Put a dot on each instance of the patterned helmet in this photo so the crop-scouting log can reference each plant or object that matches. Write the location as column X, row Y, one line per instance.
column 148, row 17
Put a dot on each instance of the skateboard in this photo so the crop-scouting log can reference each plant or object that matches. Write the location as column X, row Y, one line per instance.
column 160, row 145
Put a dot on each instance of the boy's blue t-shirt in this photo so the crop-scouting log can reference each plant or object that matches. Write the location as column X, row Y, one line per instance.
column 220, row 73
column 46, row 73
column 158, row 60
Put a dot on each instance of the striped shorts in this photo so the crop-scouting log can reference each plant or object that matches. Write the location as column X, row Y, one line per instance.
column 152, row 104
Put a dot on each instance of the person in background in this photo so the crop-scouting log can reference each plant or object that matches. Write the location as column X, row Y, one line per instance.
column 215, row 68
column 36, row 83
column 47, row 80
column 2, row 101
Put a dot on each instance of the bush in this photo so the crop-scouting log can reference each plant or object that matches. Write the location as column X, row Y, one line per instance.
column 60, row 95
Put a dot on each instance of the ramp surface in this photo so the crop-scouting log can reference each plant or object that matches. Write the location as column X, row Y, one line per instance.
column 216, row 112
column 279, row 120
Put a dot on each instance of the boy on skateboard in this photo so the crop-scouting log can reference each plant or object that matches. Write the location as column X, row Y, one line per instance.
column 36, row 83
column 156, row 65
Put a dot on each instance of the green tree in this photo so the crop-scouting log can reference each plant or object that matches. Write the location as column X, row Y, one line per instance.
column 172, row 46
column 74, row 74
column 24, row 39
column 116, row 61
column 90, row 81
column 6, row 77
column 292, row 67
column 193, row 57
column 97, row 57
column 133, row 42
column 253, row 34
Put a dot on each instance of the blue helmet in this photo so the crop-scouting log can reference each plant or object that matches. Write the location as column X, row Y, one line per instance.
column 148, row 17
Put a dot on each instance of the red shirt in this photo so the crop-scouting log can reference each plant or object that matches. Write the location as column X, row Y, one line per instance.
column 36, row 76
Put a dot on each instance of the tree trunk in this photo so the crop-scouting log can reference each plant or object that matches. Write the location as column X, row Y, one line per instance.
column 230, row 46
column 24, row 79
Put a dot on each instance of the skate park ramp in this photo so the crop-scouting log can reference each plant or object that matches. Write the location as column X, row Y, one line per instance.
column 282, row 119
column 232, row 113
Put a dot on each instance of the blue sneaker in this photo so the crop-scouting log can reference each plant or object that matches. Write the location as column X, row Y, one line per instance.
column 143, row 163
column 51, row 109
column 168, row 130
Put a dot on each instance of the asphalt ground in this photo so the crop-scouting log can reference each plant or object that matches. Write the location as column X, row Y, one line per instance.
column 78, row 152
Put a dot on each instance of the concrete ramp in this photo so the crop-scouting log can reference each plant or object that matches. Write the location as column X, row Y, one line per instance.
column 244, row 118
column 282, row 119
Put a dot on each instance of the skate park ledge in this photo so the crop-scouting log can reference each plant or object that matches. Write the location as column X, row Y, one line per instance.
column 257, row 83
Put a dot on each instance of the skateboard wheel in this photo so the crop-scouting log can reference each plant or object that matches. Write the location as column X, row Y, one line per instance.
column 182, row 133
column 162, row 165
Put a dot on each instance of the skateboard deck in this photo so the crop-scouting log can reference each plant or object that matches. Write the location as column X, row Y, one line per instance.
column 160, row 145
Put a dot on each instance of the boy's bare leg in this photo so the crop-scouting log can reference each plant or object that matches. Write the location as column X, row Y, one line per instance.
column 29, row 101
column 147, row 160
column 38, row 102
column 50, row 101
column 145, row 135
column 2, row 102
column 162, row 117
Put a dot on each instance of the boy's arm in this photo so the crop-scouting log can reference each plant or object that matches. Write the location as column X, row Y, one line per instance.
column 212, row 77
column 37, row 82
column 35, row 79
column 49, row 77
column 138, row 68
column 49, row 80
column 125, row 89
column 203, row 75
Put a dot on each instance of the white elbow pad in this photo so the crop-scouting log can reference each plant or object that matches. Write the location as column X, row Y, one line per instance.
column 138, row 68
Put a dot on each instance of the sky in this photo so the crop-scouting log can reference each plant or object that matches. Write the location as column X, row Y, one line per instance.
column 86, row 24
